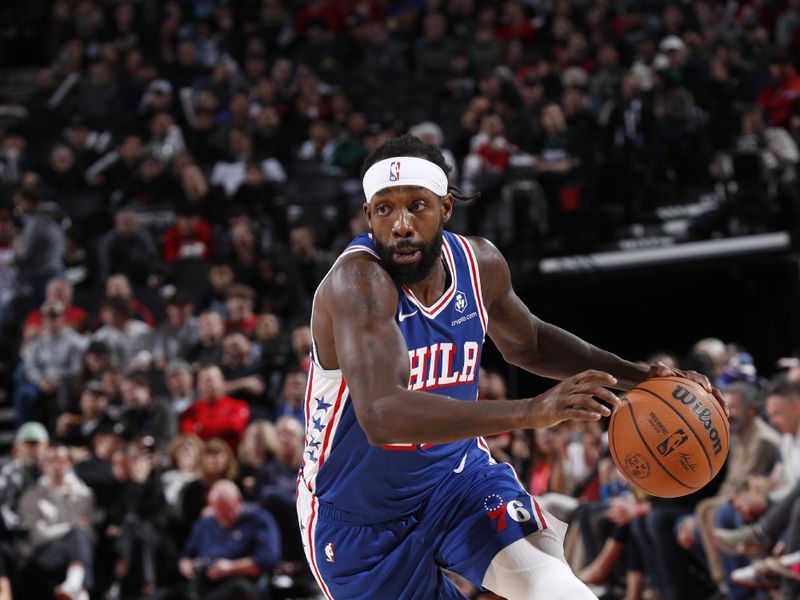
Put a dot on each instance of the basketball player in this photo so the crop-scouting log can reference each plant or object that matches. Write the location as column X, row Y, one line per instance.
column 397, row 482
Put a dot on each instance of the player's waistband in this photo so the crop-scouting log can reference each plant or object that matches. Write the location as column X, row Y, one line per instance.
column 330, row 512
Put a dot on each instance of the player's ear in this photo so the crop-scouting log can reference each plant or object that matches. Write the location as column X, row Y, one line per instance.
column 367, row 213
column 447, row 202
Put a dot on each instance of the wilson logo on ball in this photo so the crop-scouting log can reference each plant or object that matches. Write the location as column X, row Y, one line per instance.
column 703, row 414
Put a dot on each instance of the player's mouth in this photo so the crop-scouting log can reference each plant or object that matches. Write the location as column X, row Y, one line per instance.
column 408, row 255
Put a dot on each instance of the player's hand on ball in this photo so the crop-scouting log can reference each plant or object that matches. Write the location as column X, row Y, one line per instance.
column 574, row 398
column 662, row 370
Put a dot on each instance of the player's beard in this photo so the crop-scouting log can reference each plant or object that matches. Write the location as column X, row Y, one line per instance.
column 415, row 272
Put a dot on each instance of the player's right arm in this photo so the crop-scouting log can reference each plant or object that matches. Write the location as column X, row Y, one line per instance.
column 360, row 335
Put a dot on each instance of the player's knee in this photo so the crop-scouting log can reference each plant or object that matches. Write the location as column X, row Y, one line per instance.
column 534, row 569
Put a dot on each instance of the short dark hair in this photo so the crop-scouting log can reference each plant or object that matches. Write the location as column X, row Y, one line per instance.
column 750, row 395
column 783, row 387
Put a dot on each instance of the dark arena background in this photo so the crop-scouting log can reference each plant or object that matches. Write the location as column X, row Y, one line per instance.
column 176, row 177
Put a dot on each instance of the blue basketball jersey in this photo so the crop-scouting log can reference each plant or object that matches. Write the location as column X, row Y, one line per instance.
column 444, row 343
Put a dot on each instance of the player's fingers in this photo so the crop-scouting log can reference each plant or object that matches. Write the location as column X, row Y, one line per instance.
column 602, row 393
column 699, row 379
column 596, row 377
column 576, row 414
column 587, row 403
column 717, row 393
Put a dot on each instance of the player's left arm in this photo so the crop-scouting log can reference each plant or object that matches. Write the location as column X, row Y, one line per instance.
column 543, row 348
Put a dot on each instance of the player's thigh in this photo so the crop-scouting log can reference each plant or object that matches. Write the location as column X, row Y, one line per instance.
column 528, row 570
column 488, row 512
column 375, row 561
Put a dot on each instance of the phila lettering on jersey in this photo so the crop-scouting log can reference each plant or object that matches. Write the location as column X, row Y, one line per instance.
column 444, row 344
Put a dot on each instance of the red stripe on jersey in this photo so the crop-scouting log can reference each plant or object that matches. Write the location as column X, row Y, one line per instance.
column 331, row 424
column 431, row 312
column 542, row 522
column 473, row 268
column 311, row 551
column 308, row 393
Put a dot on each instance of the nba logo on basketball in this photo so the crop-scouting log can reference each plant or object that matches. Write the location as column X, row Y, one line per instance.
column 461, row 301
column 394, row 171
column 679, row 438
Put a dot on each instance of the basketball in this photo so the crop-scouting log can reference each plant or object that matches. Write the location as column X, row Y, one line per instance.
column 668, row 437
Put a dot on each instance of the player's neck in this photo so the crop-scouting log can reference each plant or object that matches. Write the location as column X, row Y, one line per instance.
column 430, row 289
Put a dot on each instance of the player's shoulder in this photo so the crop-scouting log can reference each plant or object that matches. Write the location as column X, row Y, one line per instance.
column 486, row 253
column 494, row 272
column 358, row 274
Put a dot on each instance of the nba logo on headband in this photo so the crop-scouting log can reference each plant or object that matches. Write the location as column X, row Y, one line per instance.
column 394, row 171
column 416, row 172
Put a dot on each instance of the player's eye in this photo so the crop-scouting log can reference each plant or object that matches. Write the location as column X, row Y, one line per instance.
column 382, row 210
column 418, row 205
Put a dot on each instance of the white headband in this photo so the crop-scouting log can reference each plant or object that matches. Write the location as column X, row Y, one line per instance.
column 404, row 170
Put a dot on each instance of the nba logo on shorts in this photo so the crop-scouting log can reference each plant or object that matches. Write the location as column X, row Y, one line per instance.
column 461, row 301
column 394, row 171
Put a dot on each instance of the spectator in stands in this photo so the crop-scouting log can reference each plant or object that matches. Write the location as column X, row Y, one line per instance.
column 17, row 476
column 77, row 429
column 217, row 462
column 257, row 456
column 270, row 343
column 779, row 98
column 134, row 523
column 350, row 147
column 58, row 290
column 311, row 262
column 242, row 374
column 433, row 50
column 144, row 415
column 119, row 286
column 128, row 248
column 184, row 456
column 210, row 332
column 174, row 337
column 58, row 511
column 320, row 146
column 215, row 414
column 38, row 252
column 49, row 362
column 290, row 454
column 301, row 346
column 772, row 504
column 230, row 174
column 227, row 551
column 179, row 380
column 190, row 238
column 291, row 402
column 220, row 278
column 124, row 335
column 239, row 304
column 754, row 452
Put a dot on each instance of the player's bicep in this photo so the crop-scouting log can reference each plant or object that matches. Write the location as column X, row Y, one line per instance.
column 512, row 327
column 370, row 348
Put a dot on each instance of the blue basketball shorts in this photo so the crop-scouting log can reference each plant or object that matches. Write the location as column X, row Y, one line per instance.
column 467, row 520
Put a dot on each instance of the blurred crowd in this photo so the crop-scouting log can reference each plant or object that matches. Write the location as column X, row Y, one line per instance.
column 180, row 175
column 738, row 538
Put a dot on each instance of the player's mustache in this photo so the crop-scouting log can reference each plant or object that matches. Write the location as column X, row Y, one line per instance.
column 407, row 246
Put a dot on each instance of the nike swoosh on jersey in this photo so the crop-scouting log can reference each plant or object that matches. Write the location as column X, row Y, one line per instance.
column 402, row 317
column 460, row 466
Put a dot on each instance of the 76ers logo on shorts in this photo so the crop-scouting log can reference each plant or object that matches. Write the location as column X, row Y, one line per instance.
column 498, row 511
column 394, row 171
column 461, row 301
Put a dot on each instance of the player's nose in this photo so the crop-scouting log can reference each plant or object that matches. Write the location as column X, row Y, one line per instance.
column 402, row 227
